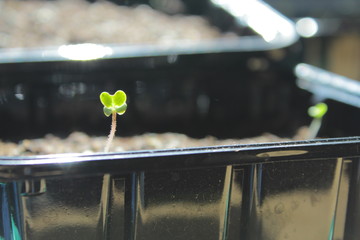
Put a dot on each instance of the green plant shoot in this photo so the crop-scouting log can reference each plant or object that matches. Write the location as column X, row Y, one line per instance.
column 317, row 112
column 113, row 105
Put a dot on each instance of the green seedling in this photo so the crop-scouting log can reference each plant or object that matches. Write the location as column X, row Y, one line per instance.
column 113, row 105
column 317, row 112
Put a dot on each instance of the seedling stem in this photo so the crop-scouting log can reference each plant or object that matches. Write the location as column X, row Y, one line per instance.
column 113, row 104
column 112, row 132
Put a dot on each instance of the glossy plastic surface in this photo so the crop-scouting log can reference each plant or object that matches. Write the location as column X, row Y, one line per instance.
column 295, row 190
column 298, row 190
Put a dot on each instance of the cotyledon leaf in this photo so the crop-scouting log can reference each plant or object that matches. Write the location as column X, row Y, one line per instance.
column 121, row 110
column 114, row 103
column 119, row 98
column 106, row 99
column 107, row 111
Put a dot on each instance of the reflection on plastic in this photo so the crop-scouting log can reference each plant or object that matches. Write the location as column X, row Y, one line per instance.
column 327, row 85
column 283, row 200
column 70, row 90
column 289, row 208
column 182, row 204
column 10, row 213
column 307, row 27
column 85, row 51
column 282, row 153
column 261, row 18
column 19, row 91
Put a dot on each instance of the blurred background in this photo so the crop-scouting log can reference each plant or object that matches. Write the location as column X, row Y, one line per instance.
column 330, row 30
column 188, row 65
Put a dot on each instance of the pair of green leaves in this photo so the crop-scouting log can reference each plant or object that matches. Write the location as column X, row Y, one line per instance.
column 114, row 103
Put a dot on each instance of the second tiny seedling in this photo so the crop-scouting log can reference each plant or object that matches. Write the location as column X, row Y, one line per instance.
column 317, row 112
column 113, row 105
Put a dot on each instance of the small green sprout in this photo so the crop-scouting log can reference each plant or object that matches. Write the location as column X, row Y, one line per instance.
column 113, row 105
column 317, row 112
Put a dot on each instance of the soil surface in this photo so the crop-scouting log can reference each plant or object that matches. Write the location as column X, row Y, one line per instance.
column 79, row 142
column 36, row 23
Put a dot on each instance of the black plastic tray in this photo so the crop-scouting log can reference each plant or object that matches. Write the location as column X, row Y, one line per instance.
column 38, row 85
column 295, row 190
column 258, row 25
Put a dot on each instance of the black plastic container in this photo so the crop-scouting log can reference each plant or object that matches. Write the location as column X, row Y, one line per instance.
column 293, row 190
column 181, row 87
